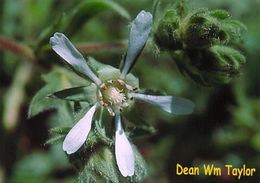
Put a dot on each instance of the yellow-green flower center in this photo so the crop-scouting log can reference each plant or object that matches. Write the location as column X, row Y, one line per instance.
column 114, row 96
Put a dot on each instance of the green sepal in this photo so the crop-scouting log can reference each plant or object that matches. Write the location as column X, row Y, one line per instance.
column 224, row 58
column 104, row 72
column 83, row 93
column 101, row 133
column 167, row 35
column 140, row 167
column 101, row 167
column 219, row 14
column 130, row 79
column 214, row 66
column 235, row 29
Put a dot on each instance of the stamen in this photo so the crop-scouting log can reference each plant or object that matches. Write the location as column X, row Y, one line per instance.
column 103, row 86
column 130, row 96
column 111, row 113
column 126, row 105
column 128, row 87
column 110, row 81
column 105, row 104
column 51, row 96
column 135, row 88
column 100, row 95
column 114, row 96
column 121, row 82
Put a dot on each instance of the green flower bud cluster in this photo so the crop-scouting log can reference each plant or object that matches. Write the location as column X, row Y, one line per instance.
column 202, row 43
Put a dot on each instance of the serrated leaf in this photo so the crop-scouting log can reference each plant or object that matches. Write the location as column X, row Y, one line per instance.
column 56, row 140
column 83, row 93
column 56, row 80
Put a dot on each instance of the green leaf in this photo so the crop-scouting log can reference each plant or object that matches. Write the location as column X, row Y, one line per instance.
column 73, row 22
column 56, row 80
column 62, row 130
column 77, row 107
column 83, row 93
column 34, row 166
column 89, row 9
column 56, row 140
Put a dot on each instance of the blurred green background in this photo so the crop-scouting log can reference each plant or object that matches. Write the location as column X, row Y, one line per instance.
column 224, row 128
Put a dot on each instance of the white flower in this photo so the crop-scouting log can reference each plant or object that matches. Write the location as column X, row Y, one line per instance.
column 115, row 94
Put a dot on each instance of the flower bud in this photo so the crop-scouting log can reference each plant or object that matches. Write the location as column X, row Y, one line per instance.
column 167, row 35
column 213, row 66
column 199, row 29
column 200, row 42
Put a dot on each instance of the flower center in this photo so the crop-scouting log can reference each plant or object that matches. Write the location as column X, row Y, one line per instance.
column 114, row 96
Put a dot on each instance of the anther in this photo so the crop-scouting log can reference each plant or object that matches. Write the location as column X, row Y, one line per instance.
column 110, row 81
column 100, row 95
column 128, row 87
column 121, row 82
column 103, row 86
column 126, row 105
column 112, row 114
column 135, row 88
column 130, row 96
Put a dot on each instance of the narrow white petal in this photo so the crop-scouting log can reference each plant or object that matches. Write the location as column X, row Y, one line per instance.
column 63, row 47
column 124, row 152
column 169, row 104
column 78, row 134
column 138, row 36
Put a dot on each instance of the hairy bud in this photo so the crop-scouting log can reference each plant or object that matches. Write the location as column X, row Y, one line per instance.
column 201, row 43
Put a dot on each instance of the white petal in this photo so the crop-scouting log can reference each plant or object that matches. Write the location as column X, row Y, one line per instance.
column 63, row 47
column 78, row 134
column 138, row 36
column 169, row 104
column 124, row 152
